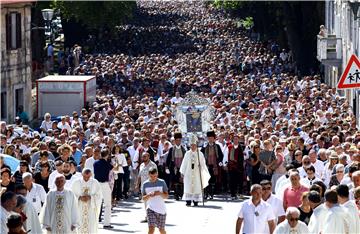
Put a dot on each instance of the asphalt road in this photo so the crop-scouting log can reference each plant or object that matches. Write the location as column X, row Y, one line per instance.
column 217, row 216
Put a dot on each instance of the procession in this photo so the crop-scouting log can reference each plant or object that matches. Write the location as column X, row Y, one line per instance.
column 199, row 119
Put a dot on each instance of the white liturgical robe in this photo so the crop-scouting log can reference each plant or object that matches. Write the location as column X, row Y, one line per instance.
column 317, row 219
column 89, row 210
column 59, row 212
column 191, row 171
column 336, row 220
column 284, row 228
column 354, row 220
column 32, row 223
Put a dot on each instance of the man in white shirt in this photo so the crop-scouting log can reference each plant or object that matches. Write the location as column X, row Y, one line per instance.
column 275, row 203
column 89, row 163
column 176, row 99
column 64, row 125
column 292, row 225
column 319, row 166
column 134, row 155
column 255, row 214
column 311, row 176
column 305, row 164
column 36, row 193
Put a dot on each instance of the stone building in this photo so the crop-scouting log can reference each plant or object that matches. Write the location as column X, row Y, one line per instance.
column 341, row 40
column 15, row 58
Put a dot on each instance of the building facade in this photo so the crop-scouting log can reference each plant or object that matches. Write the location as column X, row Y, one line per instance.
column 15, row 58
column 342, row 39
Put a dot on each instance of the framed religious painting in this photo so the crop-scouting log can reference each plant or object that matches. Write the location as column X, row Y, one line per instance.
column 194, row 114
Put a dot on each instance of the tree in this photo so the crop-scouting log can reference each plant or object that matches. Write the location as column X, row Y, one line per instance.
column 293, row 24
column 96, row 14
column 79, row 18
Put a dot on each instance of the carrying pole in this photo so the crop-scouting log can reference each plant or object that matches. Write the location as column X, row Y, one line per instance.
column 202, row 190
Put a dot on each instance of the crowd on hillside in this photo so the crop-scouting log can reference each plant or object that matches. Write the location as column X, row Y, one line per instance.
column 289, row 142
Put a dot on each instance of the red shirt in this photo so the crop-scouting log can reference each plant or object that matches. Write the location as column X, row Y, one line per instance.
column 292, row 197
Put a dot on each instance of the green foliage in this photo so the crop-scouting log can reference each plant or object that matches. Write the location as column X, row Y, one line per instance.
column 96, row 14
column 228, row 5
column 247, row 23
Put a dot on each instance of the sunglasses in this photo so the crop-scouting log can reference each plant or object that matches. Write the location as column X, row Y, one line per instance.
column 266, row 188
column 294, row 219
column 340, row 172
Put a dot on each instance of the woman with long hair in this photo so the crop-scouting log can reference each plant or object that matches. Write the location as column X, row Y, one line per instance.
column 255, row 164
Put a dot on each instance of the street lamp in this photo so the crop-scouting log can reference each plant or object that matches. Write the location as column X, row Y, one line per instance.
column 47, row 16
column 354, row 6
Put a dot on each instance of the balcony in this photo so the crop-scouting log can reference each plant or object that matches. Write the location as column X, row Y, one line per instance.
column 329, row 50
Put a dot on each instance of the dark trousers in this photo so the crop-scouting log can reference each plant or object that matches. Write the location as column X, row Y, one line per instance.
column 236, row 182
column 117, row 191
column 126, row 180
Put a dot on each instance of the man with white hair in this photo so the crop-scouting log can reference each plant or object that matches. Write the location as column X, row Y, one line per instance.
column 255, row 214
column 292, row 224
column 88, row 192
column 36, row 194
column 193, row 167
column 59, row 214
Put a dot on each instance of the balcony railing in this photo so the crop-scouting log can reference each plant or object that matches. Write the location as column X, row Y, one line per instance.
column 329, row 50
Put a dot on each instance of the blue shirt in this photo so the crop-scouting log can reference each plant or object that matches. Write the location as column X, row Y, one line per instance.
column 102, row 169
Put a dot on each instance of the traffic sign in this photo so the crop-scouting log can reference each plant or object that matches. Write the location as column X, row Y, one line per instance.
column 351, row 77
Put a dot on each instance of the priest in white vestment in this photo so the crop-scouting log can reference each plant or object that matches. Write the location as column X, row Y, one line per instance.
column 59, row 214
column 316, row 222
column 192, row 165
column 336, row 219
column 88, row 192
column 350, row 208
column 292, row 224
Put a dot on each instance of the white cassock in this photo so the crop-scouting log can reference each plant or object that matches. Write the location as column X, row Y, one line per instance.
column 192, row 182
column 336, row 220
column 4, row 215
column 284, row 227
column 354, row 220
column 59, row 212
column 316, row 222
column 90, row 210
column 32, row 223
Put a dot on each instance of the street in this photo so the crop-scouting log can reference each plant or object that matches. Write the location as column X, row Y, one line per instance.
column 218, row 216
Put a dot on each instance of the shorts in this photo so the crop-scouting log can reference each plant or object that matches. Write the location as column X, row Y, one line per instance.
column 155, row 219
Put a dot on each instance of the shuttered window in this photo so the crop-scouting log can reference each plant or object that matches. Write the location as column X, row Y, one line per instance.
column 13, row 30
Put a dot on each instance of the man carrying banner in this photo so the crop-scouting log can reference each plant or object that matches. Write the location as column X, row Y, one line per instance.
column 195, row 173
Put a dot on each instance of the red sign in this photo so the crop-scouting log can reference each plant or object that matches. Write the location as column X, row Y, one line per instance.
column 351, row 77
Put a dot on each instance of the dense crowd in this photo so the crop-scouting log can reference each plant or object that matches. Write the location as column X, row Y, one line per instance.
column 290, row 142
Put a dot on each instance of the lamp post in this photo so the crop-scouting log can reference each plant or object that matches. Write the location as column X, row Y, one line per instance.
column 354, row 6
column 47, row 16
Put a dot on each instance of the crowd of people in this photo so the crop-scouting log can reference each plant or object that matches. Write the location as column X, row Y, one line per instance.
column 289, row 142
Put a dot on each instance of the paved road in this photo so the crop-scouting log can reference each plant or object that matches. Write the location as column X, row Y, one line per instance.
column 218, row 216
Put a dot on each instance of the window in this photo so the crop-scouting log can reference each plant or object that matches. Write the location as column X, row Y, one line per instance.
column 13, row 30
column 19, row 98
column 3, row 105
